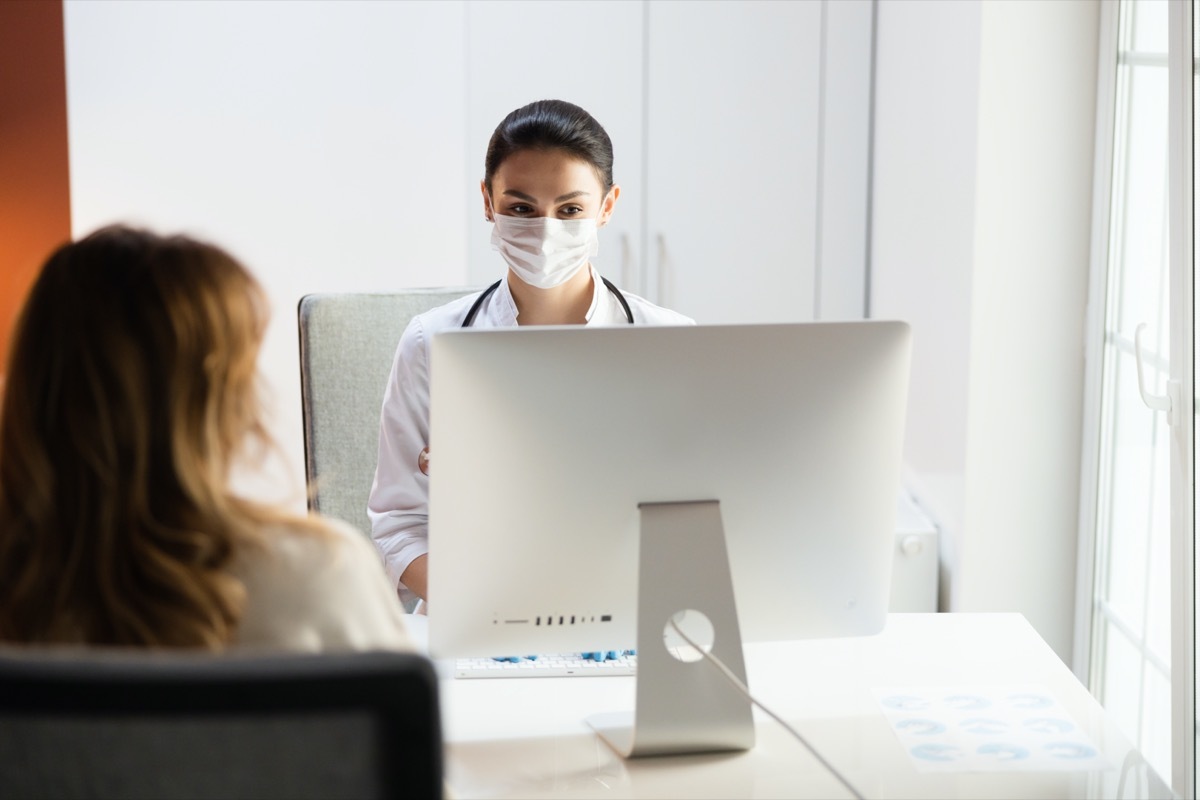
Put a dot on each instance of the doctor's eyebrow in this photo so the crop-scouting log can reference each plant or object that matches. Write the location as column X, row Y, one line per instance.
column 530, row 199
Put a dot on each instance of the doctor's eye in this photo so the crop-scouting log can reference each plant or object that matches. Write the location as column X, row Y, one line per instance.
column 570, row 211
column 520, row 210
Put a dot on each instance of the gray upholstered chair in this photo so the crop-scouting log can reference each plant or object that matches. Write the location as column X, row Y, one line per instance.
column 85, row 723
column 347, row 344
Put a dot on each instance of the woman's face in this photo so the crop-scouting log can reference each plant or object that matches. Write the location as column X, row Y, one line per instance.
column 548, row 183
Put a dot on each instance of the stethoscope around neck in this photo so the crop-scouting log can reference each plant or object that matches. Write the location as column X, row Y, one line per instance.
column 470, row 318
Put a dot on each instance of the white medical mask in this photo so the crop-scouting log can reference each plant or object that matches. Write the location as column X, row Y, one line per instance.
column 545, row 252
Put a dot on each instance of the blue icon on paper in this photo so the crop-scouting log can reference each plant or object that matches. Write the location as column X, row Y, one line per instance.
column 904, row 702
column 985, row 727
column 920, row 727
column 1071, row 750
column 967, row 702
column 1030, row 701
column 1049, row 725
column 937, row 752
column 1003, row 752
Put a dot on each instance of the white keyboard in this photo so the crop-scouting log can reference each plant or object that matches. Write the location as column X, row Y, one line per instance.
column 547, row 666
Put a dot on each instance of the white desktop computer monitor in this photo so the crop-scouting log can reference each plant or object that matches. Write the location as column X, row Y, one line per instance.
column 590, row 483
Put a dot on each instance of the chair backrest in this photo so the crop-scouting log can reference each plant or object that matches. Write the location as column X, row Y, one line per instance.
column 89, row 724
column 347, row 345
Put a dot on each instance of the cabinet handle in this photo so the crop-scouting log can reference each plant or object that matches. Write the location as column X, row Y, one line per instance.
column 626, row 262
column 664, row 268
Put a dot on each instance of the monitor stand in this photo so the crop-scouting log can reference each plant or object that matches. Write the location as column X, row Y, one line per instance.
column 682, row 706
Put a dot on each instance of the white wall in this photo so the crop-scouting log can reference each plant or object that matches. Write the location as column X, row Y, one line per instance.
column 922, row 245
column 984, row 133
column 272, row 128
column 1032, row 236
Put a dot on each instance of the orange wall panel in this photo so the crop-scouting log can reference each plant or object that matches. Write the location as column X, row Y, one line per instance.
column 35, row 201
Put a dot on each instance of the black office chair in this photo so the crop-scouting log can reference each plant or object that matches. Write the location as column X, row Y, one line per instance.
column 132, row 725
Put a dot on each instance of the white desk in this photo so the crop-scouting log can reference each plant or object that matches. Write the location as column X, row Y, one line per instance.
column 526, row 737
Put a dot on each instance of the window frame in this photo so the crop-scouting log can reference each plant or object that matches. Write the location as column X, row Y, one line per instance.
column 1183, row 52
column 1182, row 61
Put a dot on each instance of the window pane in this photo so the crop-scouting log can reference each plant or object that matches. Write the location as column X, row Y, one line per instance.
column 1130, row 497
column 1150, row 26
column 1122, row 682
column 1155, row 743
column 1143, row 229
column 1158, row 588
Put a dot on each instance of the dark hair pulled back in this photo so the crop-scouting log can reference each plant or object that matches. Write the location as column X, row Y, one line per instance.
column 551, row 125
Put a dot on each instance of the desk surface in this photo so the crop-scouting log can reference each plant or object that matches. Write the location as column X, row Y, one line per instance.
column 526, row 737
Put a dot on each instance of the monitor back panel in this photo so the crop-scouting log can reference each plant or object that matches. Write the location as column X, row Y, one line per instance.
column 548, row 439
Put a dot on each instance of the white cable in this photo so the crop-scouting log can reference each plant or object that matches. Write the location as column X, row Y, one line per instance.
column 745, row 690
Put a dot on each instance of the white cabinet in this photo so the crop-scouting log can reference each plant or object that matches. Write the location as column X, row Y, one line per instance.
column 732, row 159
column 740, row 133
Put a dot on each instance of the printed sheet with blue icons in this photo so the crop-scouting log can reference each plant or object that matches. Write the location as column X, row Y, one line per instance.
column 987, row 729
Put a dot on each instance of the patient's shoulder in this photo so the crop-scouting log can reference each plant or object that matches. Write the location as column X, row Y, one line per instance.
column 314, row 585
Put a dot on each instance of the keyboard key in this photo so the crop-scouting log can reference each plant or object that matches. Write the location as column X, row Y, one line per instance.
column 546, row 666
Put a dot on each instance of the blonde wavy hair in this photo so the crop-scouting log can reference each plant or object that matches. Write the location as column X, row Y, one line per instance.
column 131, row 390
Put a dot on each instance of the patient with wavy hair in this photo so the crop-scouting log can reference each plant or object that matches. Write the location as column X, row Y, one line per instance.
column 131, row 394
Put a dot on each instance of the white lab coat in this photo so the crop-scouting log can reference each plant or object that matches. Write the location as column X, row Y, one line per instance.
column 399, row 503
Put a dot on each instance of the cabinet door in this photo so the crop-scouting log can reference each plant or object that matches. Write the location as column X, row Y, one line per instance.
column 589, row 53
column 732, row 159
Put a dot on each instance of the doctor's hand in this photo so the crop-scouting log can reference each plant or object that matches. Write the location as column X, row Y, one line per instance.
column 423, row 461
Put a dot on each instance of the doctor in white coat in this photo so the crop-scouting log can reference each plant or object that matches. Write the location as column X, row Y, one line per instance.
column 547, row 188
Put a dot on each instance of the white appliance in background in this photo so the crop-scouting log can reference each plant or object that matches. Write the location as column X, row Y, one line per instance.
column 915, row 562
